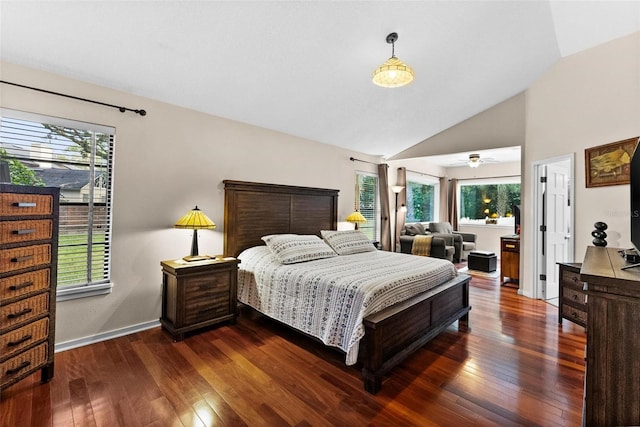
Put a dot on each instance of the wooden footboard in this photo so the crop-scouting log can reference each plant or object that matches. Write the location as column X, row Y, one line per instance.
column 391, row 335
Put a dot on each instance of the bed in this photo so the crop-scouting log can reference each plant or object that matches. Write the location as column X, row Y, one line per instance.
column 380, row 339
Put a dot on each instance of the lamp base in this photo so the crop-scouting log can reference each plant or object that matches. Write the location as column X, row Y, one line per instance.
column 191, row 258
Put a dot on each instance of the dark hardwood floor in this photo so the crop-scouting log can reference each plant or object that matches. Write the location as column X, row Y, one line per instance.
column 516, row 366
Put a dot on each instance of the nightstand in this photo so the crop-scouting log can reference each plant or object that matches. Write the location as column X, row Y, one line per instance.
column 198, row 294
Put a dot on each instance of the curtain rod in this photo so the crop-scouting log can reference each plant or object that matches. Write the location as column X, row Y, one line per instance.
column 353, row 159
column 423, row 173
column 122, row 109
column 487, row 177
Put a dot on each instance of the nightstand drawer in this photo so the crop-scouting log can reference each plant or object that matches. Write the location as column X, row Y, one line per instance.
column 573, row 295
column 574, row 314
column 25, row 231
column 511, row 245
column 24, row 257
column 203, row 310
column 22, row 363
column 23, row 310
column 14, row 341
column 202, row 287
column 16, row 204
column 23, row 284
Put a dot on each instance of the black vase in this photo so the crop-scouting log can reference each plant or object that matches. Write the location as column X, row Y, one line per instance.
column 599, row 234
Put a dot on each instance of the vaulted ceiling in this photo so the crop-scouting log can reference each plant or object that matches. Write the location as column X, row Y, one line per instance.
column 304, row 67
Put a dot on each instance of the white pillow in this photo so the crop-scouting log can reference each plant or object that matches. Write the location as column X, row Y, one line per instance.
column 347, row 242
column 293, row 248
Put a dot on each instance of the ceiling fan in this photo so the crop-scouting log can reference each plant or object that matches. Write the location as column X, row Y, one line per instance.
column 474, row 161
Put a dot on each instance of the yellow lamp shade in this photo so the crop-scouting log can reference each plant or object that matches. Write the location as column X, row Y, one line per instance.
column 195, row 220
column 355, row 217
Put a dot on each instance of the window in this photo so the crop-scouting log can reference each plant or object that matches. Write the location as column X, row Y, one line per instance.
column 488, row 201
column 78, row 158
column 367, row 185
column 423, row 198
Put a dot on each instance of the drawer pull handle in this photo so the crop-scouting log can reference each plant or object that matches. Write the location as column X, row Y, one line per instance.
column 25, row 204
column 510, row 246
column 575, row 297
column 18, row 368
column 575, row 279
column 20, row 286
column 26, row 231
column 575, row 315
column 20, row 341
column 20, row 313
column 22, row 258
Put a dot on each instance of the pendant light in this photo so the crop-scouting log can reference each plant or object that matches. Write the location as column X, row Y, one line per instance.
column 393, row 73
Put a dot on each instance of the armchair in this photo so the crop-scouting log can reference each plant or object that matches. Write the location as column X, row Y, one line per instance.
column 464, row 243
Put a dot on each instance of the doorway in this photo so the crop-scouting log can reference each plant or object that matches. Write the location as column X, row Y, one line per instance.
column 553, row 223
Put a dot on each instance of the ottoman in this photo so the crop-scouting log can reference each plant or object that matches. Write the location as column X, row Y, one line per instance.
column 482, row 261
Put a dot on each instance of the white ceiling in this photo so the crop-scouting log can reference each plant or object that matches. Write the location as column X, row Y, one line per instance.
column 304, row 68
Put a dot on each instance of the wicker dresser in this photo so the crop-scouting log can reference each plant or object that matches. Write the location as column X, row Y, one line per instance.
column 28, row 258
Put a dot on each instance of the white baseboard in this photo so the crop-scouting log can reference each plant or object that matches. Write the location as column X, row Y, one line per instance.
column 81, row 342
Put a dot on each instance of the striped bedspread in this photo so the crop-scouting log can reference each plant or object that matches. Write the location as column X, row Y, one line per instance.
column 328, row 298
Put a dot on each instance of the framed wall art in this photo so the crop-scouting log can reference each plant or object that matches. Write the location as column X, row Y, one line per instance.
column 609, row 164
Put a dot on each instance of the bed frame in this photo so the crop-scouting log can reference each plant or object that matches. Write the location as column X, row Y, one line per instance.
column 253, row 210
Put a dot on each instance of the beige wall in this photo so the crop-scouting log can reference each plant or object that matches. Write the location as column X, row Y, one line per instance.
column 165, row 163
column 588, row 99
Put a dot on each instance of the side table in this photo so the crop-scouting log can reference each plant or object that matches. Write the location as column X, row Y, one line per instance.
column 197, row 294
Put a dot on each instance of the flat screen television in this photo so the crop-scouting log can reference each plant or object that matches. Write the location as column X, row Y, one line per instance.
column 516, row 218
column 634, row 194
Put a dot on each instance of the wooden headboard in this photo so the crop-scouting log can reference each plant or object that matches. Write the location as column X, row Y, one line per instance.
column 253, row 210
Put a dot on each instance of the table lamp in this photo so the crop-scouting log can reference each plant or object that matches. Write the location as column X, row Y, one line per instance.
column 195, row 220
column 355, row 217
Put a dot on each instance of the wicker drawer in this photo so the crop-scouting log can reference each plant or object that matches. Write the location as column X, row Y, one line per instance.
column 24, row 257
column 25, row 231
column 18, row 339
column 574, row 314
column 21, row 284
column 23, row 310
column 572, row 294
column 16, row 204
column 17, row 366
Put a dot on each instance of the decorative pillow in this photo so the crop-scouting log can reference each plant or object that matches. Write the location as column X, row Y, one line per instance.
column 414, row 229
column 440, row 227
column 347, row 242
column 293, row 248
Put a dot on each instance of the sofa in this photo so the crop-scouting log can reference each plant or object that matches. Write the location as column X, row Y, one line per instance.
column 460, row 244
column 441, row 246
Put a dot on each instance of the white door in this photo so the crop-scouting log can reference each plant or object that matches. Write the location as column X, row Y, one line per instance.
column 556, row 219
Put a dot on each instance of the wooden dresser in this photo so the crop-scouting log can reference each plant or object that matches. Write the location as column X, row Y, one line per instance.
column 28, row 259
column 198, row 294
column 573, row 294
column 510, row 258
column 612, row 378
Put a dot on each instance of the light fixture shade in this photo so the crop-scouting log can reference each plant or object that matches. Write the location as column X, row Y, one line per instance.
column 355, row 217
column 397, row 188
column 195, row 220
column 393, row 73
column 474, row 160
